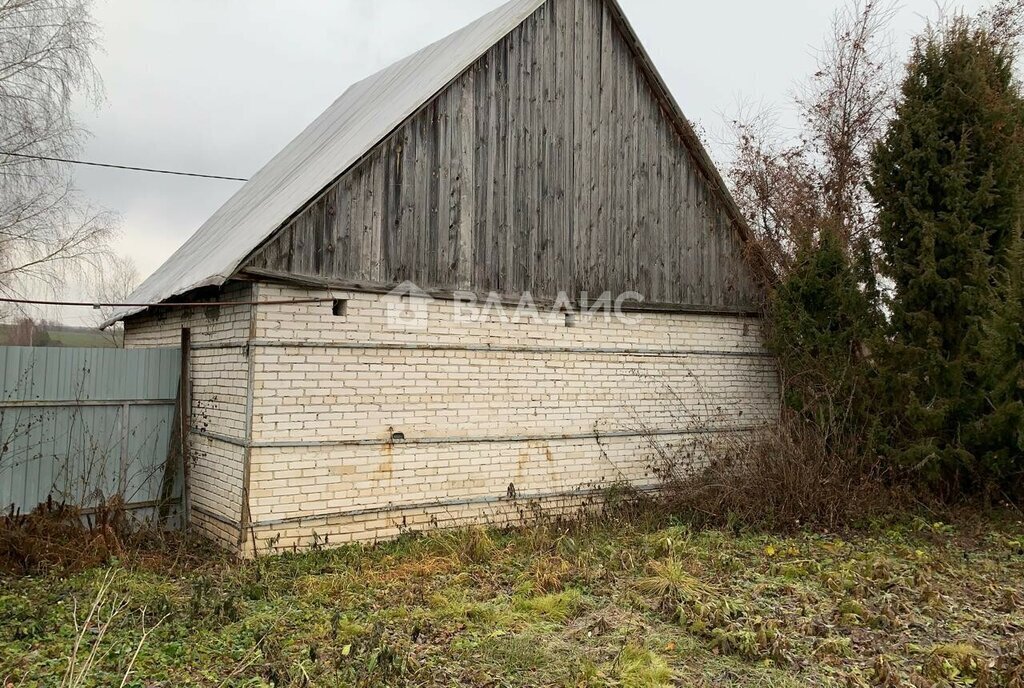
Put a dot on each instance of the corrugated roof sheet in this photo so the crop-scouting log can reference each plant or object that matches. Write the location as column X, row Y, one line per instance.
column 363, row 116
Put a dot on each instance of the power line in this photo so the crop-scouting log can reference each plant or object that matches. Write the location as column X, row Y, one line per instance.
column 197, row 304
column 124, row 167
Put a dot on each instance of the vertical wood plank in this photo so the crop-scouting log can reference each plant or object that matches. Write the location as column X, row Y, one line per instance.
column 549, row 164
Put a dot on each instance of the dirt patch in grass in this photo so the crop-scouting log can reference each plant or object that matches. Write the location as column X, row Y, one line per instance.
column 904, row 602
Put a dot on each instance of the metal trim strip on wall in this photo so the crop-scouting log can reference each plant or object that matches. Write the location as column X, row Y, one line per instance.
column 300, row 444
column 394, row 346
column 443, row 503
column 223, row 520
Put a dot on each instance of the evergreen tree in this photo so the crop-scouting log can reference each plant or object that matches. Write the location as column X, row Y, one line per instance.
column 948, row 180
column 999, row 433
column 820, row 319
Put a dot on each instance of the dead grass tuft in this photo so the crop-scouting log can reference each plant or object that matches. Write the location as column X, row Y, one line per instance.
column 470, row 546
column 550, row 573
column 672, row 585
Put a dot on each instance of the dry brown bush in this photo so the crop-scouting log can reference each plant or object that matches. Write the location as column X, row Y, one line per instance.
column 63, row 538
column 56, row 535
column 785, row 476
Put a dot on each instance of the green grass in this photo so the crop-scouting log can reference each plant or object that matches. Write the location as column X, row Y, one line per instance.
column 897, row 604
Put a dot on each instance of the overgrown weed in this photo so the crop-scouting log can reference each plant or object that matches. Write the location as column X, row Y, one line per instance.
column 59, row 537
column 611, row 603
column 783, row 477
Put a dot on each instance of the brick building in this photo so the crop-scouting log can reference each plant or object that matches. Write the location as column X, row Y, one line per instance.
column 368, row 367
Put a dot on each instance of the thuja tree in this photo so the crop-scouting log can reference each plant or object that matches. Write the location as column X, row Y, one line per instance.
column 820, row 318
column 998, row 435
column 948, row 181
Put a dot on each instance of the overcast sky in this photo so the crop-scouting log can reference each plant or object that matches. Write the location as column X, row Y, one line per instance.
column 219, row 86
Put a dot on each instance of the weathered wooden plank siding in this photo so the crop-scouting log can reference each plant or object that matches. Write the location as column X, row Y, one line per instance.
column 548, row 165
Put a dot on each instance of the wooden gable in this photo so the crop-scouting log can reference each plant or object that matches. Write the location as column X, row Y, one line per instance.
column 556, row 162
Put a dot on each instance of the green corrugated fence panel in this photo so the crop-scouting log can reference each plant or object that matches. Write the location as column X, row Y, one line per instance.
column 56, row 374
column 82, row 425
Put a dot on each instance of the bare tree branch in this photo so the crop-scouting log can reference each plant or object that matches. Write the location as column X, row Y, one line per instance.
column 792, row 188
column 47, row 230
column 113, row 282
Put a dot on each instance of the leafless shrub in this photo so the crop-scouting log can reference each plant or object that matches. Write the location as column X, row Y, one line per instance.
column 782, row 471
column 784, row 476
column 59, row 536
column 105, row 609
column 90, row 632
column 791, row 187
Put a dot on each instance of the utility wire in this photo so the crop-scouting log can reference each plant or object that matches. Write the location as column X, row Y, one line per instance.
column 198, row 304
column 124, row 167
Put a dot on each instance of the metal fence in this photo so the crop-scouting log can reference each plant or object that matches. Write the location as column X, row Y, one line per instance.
column 80, row 426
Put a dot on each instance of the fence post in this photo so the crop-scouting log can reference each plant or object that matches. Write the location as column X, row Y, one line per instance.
column 185, row 395
column 122, row 476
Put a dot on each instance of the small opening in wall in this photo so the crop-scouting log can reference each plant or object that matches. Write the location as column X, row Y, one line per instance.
column 340, row 307
column 570, row 320
column 398, row 437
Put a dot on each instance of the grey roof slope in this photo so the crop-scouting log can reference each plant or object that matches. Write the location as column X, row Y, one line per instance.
column 357, row 121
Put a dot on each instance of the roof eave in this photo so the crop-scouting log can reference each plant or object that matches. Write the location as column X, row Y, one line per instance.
column 214, row 281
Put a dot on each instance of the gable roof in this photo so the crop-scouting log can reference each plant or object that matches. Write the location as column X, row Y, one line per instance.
column 365, row 114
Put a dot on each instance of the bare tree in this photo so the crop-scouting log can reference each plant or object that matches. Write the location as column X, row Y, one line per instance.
column 46, row 228
column 1004, row 21
column 113, row 281
column 23, row 333
column 793, row 187
column 774, row 185
column 846, row 105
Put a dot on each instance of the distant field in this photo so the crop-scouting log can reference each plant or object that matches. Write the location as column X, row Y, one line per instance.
column 73, row 337
column 84, row 338
column 908, row 603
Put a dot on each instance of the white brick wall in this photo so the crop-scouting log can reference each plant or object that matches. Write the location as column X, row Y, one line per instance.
column 487, row 409
column 366, row 395
column 214, row 324
column 219, row 390
column 550, row 410
column 364, row 324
